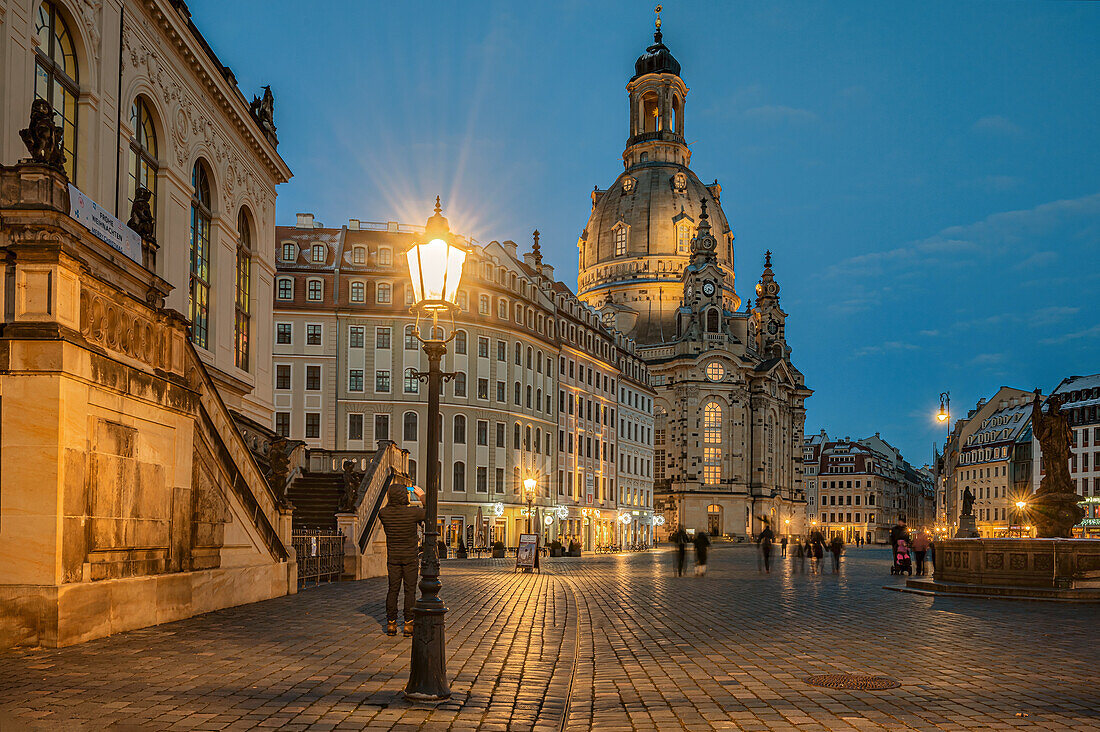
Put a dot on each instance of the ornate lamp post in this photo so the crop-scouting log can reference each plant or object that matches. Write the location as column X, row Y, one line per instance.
column 944, row 417
column 435, row 267
column 529, row 485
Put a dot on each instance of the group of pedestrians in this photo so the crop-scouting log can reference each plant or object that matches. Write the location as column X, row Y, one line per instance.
column 680, row 539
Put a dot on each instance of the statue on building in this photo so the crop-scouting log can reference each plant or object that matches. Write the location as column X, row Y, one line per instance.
column 278, row 458
column 968, row 503
column 352, row 478
column 141, row 221
column 1054, row 506
column 263, row 111
column 43, row 138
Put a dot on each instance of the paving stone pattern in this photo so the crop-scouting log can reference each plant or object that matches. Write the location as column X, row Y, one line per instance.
column 608, row 642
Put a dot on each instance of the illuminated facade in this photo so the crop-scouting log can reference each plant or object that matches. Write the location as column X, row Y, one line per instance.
column 656, row 261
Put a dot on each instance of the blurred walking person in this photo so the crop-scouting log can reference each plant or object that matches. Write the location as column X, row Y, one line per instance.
column 799, row 555
column 679, row 539
column 783, row 544
column 920, row 550
column 766, row 540
column 836, row 548
column 701, row 542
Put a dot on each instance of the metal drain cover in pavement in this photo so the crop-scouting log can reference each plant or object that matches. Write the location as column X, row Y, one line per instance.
column 852, row 681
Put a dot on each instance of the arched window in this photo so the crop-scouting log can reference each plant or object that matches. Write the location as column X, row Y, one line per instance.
column 358, row 292
column 460, row 384
column 412, row 384
column 515, row 436
column 359, row 255
column 200, row 255
column 460, row 429
column 620, row 241
column 515, row 480
column 459, row 483
column 384, row 293
column 712, row 443
column 56, row 78
column 410, row 338
column 712, row 320
column 650, row 112
column 317, row 253
column 243, row 321
column 143, row 155
column 285, row 288
column 409, row 427
column 683, row 238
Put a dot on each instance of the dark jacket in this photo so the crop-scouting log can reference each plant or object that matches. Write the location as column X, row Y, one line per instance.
column 766, row 538
column 399, row 521
column 701, row 542
column 898, row 532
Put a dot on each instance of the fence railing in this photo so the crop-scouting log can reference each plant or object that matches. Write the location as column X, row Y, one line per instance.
column 320, row 555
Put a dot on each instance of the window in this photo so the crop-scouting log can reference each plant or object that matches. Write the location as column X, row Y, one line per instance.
column 313, row 426
column 712, row 438
column 282, row 376
column 384, row 294
column 381, row 337
column 382, row 427
column 409, row 427
column 382, row 381
column 355, row 380
column 356, row 336
column 482, row 388
column 460, row 342
column 315, row 290
column 143, row 155
column 500, row 391
column 355, row 426
column 313, row 334
column 683, row 238
column 317, row 253
column 385, row 257
column 515, row 436
column 359, row 255
column 290, row 252
column 410, row 338
column 286, row 288
column 199, row 286
column 460, row 384
column 283, row 334
column 500, row 434
column 502, row 351
column 483, row 432
column 620, row 240
column 500, row 480
column 412, row 384
column 482, row 347
column 516, row 395
column 313, row 378
column 459, row 483
column 502, row 309
column 282, row 424
column 459, row 429
column 243, row 320
column 55, row 77
column 483, row 304
column 712, row 320
column 358, row 292
column 482, row 485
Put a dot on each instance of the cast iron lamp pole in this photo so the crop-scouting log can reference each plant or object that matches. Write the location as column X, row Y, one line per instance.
column 435, row 268
column 529, row 485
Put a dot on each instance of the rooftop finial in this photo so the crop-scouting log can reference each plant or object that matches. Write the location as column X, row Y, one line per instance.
column 768, row 259
column 535, row 249
column 703, row 201
column 657, row 31
column 438, row 206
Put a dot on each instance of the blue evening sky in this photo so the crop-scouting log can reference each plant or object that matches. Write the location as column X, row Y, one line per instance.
column 927, row 174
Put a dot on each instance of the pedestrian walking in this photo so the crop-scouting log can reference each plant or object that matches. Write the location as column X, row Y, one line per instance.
column 799, row 555
column 897, row 533
column 920, row 550
column 836, row 548
column 817, row 550
column 701, row 542
column 766, row 540
column 783, row 543
column 399, row 521
column 680, row 539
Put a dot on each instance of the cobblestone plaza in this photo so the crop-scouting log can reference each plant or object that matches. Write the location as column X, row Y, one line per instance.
column 606, row 642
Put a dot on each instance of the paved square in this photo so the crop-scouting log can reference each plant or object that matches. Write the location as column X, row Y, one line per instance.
column 608, row 642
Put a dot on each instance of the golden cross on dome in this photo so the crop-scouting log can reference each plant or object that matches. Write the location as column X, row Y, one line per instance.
column 658, row 11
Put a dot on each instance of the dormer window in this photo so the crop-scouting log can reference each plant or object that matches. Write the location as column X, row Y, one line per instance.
column 290, row 252
column 317, row 254
column 683, row 238
column 620, row 239
column 359, row 255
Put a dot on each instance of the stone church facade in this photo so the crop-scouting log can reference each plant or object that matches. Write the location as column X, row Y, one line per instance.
column 657, row 262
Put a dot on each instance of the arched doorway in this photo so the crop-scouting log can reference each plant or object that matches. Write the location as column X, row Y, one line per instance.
column 714, row 519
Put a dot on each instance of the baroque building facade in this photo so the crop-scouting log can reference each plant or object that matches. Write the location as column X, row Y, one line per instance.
column 656, row 260
column 537, row 376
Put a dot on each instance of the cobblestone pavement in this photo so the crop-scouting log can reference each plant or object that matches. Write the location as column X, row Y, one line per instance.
column 608, row 642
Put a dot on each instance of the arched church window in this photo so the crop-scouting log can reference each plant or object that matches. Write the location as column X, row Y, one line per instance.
column 712, row 320
column 620, row 241
column 55, row 77
column 143, row 155
column 712, row 443
column 650, row 112
column 200, row 255
column 683, row 238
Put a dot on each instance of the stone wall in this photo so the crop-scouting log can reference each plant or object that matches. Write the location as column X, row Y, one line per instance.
column 1056, row 563
column 127, row 496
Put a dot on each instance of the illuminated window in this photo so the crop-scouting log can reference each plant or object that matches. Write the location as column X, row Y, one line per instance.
column 712, row 439
column 143, row 155
column 620, row 241
column 683, row 239
column 199, row 290
column 715, row 371
column 55, row 77
column 243, row 321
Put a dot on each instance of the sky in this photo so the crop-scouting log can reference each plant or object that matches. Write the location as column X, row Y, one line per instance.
column 927, row 174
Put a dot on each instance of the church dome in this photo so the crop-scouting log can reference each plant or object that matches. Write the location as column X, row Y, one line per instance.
column 657, row 59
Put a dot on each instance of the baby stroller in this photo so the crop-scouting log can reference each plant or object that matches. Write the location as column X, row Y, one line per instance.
column 903, row 563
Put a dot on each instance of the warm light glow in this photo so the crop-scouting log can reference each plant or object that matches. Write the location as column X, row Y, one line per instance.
column 435, row 269
column 1021, row 504
column 786, row 521
column 530, row 484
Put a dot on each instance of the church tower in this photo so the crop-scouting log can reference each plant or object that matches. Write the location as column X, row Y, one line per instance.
column 766, row 324
column 638, row 239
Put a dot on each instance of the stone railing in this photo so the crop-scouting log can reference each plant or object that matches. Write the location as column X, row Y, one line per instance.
column 332, row 461
column 365, row 552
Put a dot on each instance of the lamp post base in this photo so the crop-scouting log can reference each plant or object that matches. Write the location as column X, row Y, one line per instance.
column 428, row 673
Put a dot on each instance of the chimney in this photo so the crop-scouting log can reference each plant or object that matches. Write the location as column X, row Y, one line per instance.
column 392, row 226
column 305, row 221
column 511, row 247
column 353, row 224
column 529, row 259
column 548, row 271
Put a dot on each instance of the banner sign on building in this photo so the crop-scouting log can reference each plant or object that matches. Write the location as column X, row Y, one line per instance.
column 525, row 553
column 103, row 225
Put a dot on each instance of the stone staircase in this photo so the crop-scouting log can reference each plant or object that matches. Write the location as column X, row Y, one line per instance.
column 316, row 499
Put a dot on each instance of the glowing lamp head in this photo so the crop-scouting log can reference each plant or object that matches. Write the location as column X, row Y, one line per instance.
column 435, row 268
column 529, row 484
column 1021, row 504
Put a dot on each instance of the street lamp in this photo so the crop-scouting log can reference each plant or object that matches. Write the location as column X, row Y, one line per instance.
column 435, row 268
column 529, row 485
column 945, row 407
column 1021, row 506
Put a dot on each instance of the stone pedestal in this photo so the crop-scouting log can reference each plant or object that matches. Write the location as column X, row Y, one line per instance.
column 968, row 528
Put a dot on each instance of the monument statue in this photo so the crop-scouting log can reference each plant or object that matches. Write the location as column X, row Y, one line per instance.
column 968, row 503
column 279, row 470
column 1054, row 506
column 263, row 111
column 352, row 478
column 141, row 215
column 43, row 138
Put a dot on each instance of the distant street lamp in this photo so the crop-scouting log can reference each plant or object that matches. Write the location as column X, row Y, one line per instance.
column 529, row 485
column 945, row 407
column 435, row 268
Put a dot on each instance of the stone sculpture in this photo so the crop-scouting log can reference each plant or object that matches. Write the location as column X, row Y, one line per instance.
column 352, row 478
column 43, row 138
column 968, row 503
column 1054, row 506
